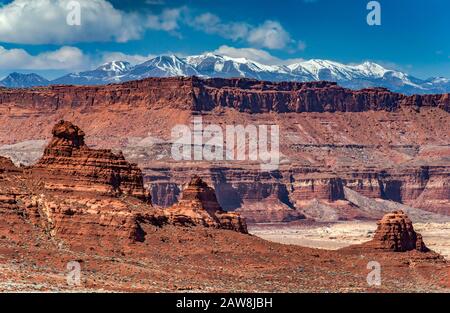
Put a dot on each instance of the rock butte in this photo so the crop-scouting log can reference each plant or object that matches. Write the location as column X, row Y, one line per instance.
column 198, row 206
column 396, row 232
column 68, row 164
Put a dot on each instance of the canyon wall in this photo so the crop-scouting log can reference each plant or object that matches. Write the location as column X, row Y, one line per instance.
column 245, row 95
column 381, row 144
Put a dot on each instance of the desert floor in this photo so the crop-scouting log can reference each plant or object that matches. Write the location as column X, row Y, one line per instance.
column 338, row 235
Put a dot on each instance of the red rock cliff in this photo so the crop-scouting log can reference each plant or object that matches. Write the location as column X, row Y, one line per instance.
column 198, row 94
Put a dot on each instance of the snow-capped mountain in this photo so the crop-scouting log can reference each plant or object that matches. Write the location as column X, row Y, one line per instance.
column 355, row 76
column 212, row 65
column 329, row 70
column 18, row 80
column 367, row 74
column 161, row 66
column 111, row 72
column 440, row 84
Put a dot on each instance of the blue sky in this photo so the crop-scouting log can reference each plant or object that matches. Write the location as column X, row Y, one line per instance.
column 413, row 36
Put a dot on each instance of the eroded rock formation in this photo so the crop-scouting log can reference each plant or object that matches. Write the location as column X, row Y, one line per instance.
column 10, row 193
column 93, row 199
column 198, row 206
column 69, row 164
column 395, row 232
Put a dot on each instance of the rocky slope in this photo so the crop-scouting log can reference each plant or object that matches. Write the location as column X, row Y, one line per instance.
column 123, row 243
column 380, row 144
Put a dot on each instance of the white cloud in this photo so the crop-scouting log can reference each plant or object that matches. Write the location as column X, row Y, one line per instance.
column 64, row 58
column 248, row 53
column 212, row 24
column 168, row 20
column 269, row 34
column 253, row 54
column 69, row 58
column 45, row 22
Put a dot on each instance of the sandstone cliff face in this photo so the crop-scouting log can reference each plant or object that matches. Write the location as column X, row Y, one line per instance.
column 196, row 94
column 290, row 193
column 396, row 233
column 76, row 194
column 257, row 96
column 10, row 212
column 198, row 206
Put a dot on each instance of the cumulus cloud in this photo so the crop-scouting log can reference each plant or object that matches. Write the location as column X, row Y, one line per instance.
column 45, row 21
column 248, row 53
column 64, row 58
column 69, row 58
column 168, row 20
column 212, row 24
column 269, row 34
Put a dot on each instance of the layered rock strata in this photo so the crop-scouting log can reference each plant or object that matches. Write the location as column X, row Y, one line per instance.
column 198, row 206
column 245, row 95
column 92, row 199
column 68, row 164
column 396, row 233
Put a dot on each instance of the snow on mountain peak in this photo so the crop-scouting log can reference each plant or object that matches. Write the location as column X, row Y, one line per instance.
column 115, row 66
column 355, row 76
column 371, row 69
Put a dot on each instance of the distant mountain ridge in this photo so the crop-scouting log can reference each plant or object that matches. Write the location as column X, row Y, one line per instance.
column 18, row 80
column 364, row 75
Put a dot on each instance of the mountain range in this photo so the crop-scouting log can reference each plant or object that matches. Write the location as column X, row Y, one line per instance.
column 367, row 74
